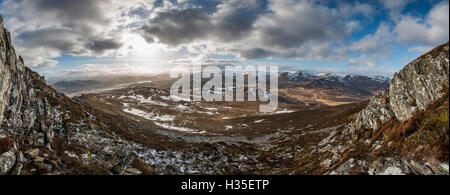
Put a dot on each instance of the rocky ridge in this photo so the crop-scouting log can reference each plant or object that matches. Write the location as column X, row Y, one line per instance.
column 416, row 86
column 387, row 136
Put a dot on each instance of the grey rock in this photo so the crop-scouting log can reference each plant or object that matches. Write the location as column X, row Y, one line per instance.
column 7, row 161
column 413, row 89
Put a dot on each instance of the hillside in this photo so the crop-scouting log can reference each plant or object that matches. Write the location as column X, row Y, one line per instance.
column 326, row 89
column 69, row 87
column 406, row 127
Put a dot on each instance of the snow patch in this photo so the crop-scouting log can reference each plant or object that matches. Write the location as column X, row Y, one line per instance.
column 444, row 166
column 70, row 154
column 182, row 129
column 393, row 171
column 284, row 111
column 176, row 98
column 211, row 109
column 143, row 100
column 149, row 116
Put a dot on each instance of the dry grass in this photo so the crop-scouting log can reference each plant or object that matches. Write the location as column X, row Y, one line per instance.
column 424, row 136
column 436, row 51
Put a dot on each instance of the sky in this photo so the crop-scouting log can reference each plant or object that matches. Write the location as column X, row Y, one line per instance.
column 81, row 38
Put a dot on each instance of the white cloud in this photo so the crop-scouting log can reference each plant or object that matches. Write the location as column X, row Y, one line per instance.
column 369, row 61
column 431, row 31
column 374, row 42
column 395, row 7
column 420, row 34
column 420, row 49
column 288, row 29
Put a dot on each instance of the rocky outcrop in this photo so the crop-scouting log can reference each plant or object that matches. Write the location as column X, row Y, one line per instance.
column 46, row 124
column 390, row 166
column 384, row 137
column 8, row 62
column 415, row 87
column 420, row 83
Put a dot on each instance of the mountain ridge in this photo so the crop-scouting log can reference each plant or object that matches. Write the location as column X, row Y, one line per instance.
column 394, row 117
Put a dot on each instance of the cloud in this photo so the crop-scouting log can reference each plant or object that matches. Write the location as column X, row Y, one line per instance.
column 420, row 49
column 291, row 24
column 369, row 61
column 431, row 31
column 375, row 42
column 61, row 39
column 251, row 29
column 46, row 29
column 373, row 47
column 71, row 11
column 395, row 7
column 394, row 4
column 357, row 8
column 177, row 27
column 421, row 35
column 231, row 21
column 100, row 46
column 254, row 53
column 155, row 32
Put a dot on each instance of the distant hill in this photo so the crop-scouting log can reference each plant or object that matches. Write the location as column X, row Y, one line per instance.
column 68, row 87
column 329, row 89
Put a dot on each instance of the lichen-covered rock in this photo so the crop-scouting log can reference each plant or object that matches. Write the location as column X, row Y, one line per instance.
column 378, row 110
column 420, row 83
column 7, row 64
column 415, row 87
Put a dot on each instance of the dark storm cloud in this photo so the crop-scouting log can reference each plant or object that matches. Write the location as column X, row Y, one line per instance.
column 235, row 24
column 60, row 39
column 178, row 26
column 100, row 46
column 254, row 53
column 230, row 21
column 266, row 29
column 308, row 25
column 73, row 10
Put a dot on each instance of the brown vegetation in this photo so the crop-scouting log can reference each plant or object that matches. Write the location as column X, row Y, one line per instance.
column 425, row 135
column 6, row 144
